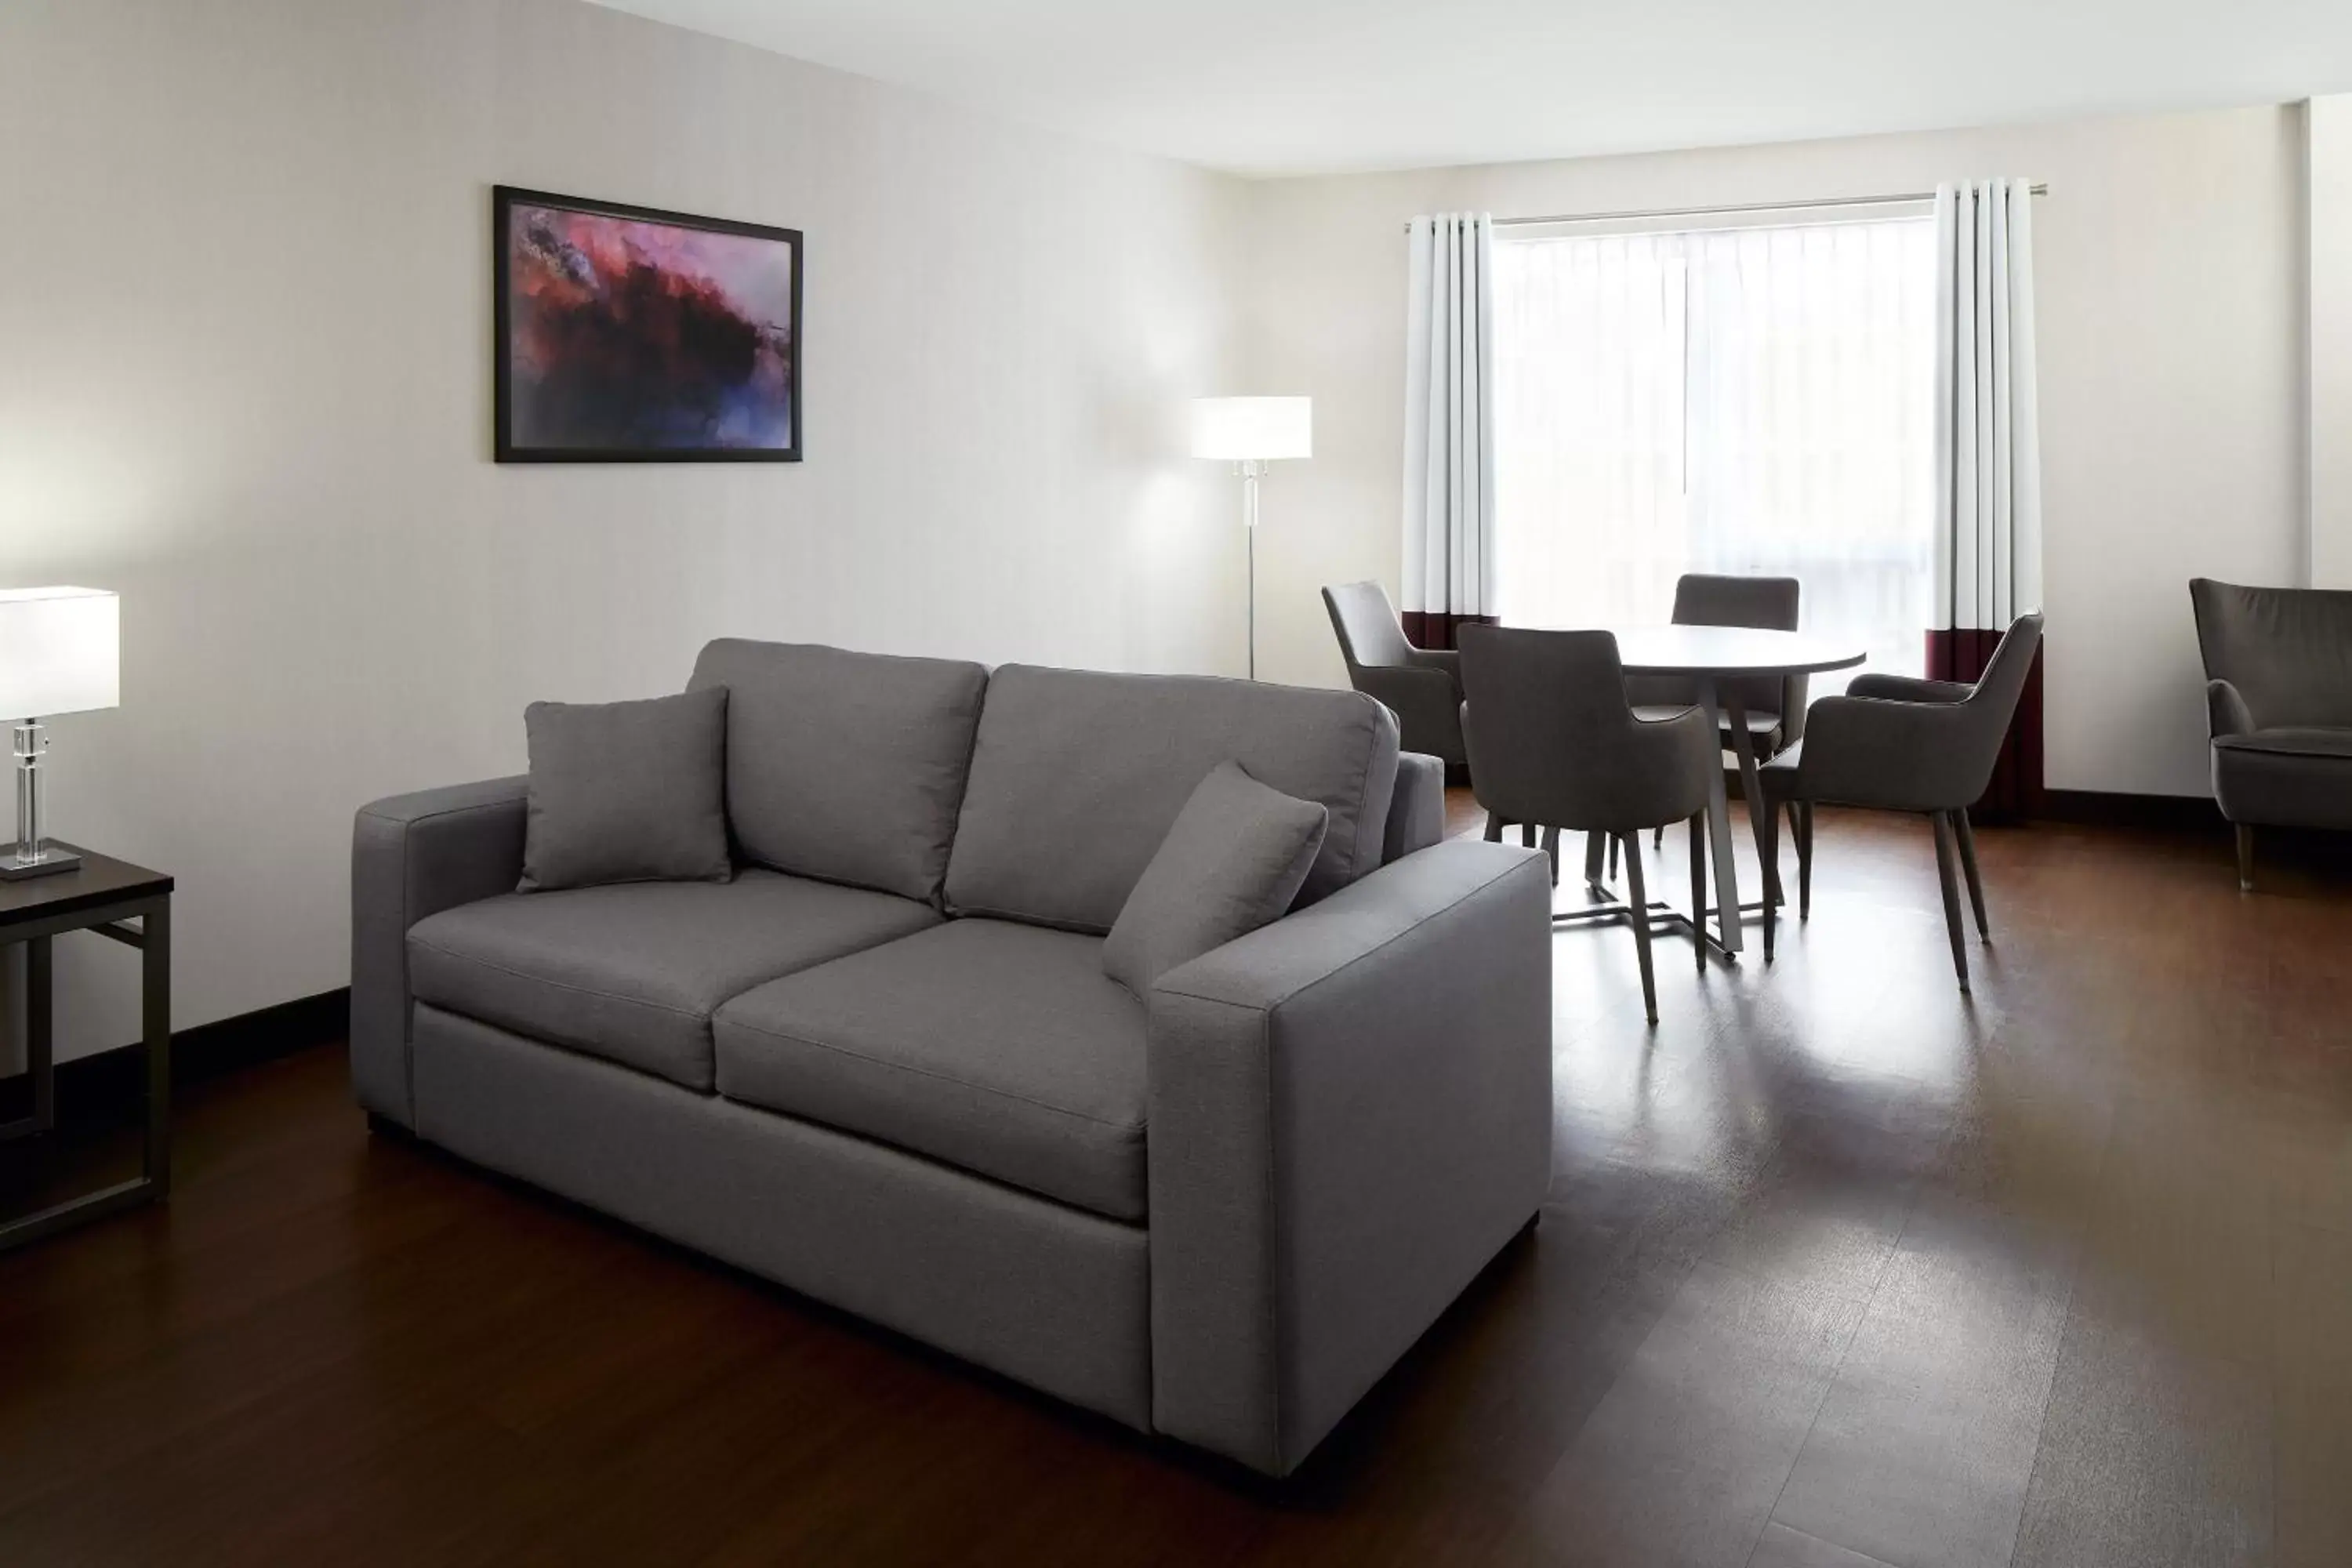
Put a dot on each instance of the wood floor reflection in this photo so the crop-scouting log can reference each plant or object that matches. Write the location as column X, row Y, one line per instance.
column 1839, row 1268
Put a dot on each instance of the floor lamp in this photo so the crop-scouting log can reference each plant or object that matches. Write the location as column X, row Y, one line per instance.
column 1249, row 433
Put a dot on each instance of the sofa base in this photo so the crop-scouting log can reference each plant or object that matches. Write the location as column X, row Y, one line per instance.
column 1043, row 1293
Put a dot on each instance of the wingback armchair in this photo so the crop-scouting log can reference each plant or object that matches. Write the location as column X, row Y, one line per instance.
column 2278, row 698
column 1423, row 686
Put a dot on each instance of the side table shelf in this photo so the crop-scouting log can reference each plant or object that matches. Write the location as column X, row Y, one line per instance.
column 104, row 896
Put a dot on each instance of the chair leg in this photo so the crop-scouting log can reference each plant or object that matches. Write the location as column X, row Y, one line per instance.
column 1698, row 889
column 2245, row 856
column 1944, row 873
column 1968, row 837
column 1552, row 852
column 1641, row 902
column 1494, row 827
column 1592, row 856
column 1767, row 826
column 1658, row 839
column 1612, row 854
column 1527, row 834
column 1801, row 822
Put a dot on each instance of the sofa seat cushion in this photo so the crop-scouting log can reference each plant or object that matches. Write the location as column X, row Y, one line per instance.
column 999, row 1049
column 632, row 972
column 2293, row 742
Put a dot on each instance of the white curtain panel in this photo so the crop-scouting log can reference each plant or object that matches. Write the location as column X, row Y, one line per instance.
column 1988, row 446
column 1749, row 401
column 1449, row 426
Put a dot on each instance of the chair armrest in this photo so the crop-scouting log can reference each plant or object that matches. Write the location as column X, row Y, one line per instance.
column 1447, row 660
column 1901, row 756
column 2226, row 712
column 1427, row 703
column 1905, row 688
column 1350, row 1115
column 413, row 856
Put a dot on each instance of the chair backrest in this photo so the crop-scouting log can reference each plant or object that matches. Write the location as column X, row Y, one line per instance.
column 1766, row 604
column 1992, row 704
column 1370, row 635
column 2287, row 650
column 1551, row 736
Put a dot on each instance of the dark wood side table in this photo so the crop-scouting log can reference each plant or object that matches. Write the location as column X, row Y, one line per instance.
column 102, row 895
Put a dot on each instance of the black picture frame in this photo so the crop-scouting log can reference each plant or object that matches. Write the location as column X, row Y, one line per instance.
column 503, row 200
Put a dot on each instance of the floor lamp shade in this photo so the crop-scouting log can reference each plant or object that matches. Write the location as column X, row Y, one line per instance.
column 1250, row 433
column 60, row 651
column 1253, row 429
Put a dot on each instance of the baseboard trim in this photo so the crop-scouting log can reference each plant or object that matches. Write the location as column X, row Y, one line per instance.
column 97, row 1086
column 2104, row 808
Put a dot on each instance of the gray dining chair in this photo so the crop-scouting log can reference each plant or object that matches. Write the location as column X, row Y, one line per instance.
column 1776, row 707
column 1423, row 686
column 2278, row 698
column 1553, row 742
column 1894, row 743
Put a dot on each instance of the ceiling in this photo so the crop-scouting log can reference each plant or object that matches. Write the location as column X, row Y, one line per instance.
column 1282, row 87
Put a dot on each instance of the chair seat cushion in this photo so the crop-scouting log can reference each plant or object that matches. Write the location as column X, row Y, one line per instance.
column 632, row 972
column 2286, row 777
column 1760, row 721
column 2294, row 743
column 998, row 1048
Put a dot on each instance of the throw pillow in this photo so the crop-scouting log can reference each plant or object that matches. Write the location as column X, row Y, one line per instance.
column 626, row 792
column 1232, row 860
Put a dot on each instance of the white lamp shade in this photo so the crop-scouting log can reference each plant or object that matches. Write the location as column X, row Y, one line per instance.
column 1253, row 429
column 60, row 651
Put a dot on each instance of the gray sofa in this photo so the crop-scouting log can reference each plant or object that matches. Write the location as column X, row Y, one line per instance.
column 2278, row 698
column 883, row 1065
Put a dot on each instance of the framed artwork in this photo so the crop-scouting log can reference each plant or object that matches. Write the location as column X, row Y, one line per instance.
column 625, row 335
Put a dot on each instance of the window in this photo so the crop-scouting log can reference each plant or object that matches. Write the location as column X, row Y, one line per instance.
column 1748, row 400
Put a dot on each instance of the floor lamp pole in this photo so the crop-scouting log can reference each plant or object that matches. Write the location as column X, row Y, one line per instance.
column 1251, row 469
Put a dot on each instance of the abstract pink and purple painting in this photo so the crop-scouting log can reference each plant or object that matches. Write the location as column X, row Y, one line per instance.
column 625, row 333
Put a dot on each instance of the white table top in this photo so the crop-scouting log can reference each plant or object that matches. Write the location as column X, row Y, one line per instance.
column 1730, row 650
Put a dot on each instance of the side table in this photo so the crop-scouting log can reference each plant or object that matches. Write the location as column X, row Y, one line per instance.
column 101, row 895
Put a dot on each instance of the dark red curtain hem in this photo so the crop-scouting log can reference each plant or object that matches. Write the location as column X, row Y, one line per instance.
column 2017, row 790
column 1435, row 628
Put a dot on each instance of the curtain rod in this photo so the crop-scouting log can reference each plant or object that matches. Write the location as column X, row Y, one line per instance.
column 2038, row 188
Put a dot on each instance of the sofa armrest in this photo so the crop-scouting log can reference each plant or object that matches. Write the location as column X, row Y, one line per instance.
column 1416, row 807
column 413, row 856
column 2226, row 711
column 1350, row 1115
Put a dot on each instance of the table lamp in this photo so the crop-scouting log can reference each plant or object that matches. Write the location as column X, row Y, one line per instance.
column 59, row 652
column 1249, row 433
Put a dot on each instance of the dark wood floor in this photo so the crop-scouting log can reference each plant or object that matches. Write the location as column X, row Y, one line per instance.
column 1838, row 1269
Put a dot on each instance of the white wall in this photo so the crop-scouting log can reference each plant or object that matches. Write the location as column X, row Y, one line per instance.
column 2328, row 166
column 2169, row 264
column 244, row 380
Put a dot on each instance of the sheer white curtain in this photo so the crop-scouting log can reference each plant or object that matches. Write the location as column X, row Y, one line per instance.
column 1755, row 400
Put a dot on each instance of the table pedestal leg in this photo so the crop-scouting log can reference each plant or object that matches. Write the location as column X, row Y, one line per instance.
column 1718, row 821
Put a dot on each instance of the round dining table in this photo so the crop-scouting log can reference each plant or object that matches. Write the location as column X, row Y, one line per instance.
column 1714, row 660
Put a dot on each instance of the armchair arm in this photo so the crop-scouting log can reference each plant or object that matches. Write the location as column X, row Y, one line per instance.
column 413, row 856
column 1902, row 756
column 1350, row 1113
column 1905, row 688
column 1427, row 703
column 1442, row 658
column 2226, row 711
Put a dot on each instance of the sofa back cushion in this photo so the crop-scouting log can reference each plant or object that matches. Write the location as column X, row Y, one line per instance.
column 847, row 766
column 1077, row 776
